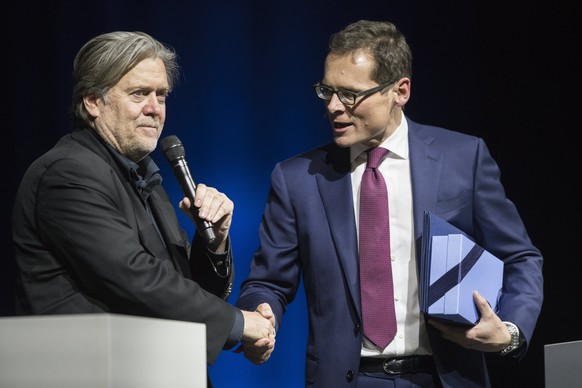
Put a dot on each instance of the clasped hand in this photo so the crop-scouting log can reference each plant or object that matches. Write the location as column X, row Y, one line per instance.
column 258, row 340
column 489, row 334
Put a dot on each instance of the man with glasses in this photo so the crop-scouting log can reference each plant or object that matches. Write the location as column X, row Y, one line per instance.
column 310, row 229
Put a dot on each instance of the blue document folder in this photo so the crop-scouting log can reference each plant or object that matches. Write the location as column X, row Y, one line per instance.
column 453, row 266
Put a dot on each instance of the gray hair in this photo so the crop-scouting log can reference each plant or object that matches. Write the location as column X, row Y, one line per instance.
column 105, row 59
column 382, row 41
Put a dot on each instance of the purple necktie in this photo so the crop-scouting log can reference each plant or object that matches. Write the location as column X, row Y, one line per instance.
column 378, row 315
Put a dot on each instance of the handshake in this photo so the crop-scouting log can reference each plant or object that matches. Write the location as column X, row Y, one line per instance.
column 258, row 341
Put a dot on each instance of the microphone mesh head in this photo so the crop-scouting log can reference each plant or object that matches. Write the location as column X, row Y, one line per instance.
column 172, row 148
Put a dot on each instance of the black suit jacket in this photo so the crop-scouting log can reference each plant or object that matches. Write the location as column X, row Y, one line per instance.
column 84, row 243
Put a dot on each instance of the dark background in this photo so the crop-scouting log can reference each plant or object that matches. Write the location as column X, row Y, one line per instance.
column 505, row 71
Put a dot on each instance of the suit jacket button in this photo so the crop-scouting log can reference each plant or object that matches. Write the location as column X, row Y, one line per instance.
column 350, row 376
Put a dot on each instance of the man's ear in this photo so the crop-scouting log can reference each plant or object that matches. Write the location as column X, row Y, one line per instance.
column 91, row 105
column 402, row 90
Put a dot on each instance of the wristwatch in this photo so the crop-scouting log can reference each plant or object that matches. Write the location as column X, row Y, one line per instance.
column 515, row 340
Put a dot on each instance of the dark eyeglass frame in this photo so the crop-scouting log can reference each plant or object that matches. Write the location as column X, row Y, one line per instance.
column 347, row 97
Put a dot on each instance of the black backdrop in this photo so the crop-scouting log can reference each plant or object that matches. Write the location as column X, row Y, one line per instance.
column 506, row 72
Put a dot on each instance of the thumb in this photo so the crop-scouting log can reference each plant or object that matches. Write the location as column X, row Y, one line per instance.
column 265, row 310
column 482, row 303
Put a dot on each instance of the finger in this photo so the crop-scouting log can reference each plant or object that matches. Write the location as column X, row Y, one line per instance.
column 265, row 310
column 254, row 354
column 201, row 199
column 200, row 194
column 482, row 304
column 221, row 207
column 185, row 208
column 263, row 344
column 185, row 202
column 214, row 205
column 258, row 358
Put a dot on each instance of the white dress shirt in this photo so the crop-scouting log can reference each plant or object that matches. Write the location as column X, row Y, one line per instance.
column 411, row 337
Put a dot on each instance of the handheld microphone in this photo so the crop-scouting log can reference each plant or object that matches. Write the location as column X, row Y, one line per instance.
column 175, row 154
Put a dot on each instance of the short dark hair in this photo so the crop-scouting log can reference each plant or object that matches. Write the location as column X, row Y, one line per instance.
column 385, row 44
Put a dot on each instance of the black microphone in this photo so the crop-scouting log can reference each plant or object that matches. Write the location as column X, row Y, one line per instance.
column 175, row 154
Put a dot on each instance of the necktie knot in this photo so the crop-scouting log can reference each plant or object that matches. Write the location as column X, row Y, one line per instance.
column 375, row 155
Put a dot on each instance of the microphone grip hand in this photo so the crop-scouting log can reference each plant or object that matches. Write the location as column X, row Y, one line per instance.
column 215, row 206
column 205, row 228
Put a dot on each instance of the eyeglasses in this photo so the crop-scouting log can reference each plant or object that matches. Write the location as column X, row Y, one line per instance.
column 346, row 96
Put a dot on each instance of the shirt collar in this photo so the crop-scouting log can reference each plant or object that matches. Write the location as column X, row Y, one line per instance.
column 397, row 143
column 145, row 175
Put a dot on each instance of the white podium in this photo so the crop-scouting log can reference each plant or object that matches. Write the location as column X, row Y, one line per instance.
column 101, row 351
column 563, row 365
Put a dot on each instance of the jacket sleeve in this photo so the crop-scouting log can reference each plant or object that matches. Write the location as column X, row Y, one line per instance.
column 500, row 230
column 213, row 271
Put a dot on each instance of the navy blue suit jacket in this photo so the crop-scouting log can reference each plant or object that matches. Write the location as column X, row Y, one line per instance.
column 308, row 230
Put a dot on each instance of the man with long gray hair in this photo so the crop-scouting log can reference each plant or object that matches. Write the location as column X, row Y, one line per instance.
column 94, row 230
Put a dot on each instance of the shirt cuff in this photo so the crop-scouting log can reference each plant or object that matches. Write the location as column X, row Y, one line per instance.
column 221, row 261
column 236, row 332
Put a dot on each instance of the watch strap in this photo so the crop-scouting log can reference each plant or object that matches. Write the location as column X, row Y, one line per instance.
column 515, row 342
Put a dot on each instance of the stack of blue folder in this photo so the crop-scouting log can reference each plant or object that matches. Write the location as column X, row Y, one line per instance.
column 452, row 267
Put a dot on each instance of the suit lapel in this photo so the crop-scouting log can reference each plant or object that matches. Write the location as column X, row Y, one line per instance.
column 168, row 225
column 425, row 170
column 149, row 237
column 335, row 189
